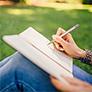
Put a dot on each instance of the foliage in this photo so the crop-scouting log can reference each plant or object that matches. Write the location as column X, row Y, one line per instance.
column 16, row 1
column 87, row 1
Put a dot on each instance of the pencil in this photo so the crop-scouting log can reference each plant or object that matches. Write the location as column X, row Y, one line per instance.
column 68, row 31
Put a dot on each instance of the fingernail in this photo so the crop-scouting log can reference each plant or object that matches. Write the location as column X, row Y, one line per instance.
column 61, row 49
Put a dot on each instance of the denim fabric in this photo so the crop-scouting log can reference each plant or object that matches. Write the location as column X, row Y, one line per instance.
column 18, row 74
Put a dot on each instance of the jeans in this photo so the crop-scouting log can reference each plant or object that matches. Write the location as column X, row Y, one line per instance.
column 18, row 74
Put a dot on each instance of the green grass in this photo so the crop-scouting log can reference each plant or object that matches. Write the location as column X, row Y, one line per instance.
column 46, row 20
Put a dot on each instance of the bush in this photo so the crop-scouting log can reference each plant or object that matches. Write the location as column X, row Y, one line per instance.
column 20, row 1
column 87, row 1
column 15, row 1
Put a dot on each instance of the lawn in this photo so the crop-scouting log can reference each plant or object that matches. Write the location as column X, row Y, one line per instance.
column 46, row 20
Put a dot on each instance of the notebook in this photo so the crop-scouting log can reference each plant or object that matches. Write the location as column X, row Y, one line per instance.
column 34, row 46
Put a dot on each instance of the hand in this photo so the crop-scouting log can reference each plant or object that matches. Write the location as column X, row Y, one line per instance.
column 67, row 44
column 75, row 85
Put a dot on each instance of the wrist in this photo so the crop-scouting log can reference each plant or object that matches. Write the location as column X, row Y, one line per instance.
column 81, row 53
column 87, row 57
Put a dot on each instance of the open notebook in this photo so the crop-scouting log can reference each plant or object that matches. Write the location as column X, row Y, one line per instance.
column 34, row 46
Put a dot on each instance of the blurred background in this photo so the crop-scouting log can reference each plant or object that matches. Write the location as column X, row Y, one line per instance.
column 46, row 16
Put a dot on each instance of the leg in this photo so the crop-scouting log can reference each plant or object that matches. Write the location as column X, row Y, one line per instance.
column 21, row 75
column 4, row 61
column 81, row 74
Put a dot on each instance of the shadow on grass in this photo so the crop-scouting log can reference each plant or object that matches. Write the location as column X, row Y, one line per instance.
column 46, row 20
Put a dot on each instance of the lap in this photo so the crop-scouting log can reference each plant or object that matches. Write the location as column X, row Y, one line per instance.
column 19, row 69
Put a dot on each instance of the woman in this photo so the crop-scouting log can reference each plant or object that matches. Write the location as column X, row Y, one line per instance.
column 69, row 46
column 18, row 74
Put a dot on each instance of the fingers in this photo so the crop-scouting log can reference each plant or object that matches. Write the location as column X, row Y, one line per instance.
column 56, row 83
column 60, row 40
column 75, row 85
column 68, row 37
column 62, row 44
column 58, row 46
column 60, row 31
column 62, row 86
column 75, row 81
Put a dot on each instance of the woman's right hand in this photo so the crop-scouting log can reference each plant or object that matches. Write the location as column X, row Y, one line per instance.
column 67, row 44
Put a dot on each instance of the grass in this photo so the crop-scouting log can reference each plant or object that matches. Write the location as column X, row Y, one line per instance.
column 46, row 20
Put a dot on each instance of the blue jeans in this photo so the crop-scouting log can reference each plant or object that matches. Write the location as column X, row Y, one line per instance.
column 18, row 74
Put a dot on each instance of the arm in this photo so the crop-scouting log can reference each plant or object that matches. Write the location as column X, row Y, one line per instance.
column 68, row 45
